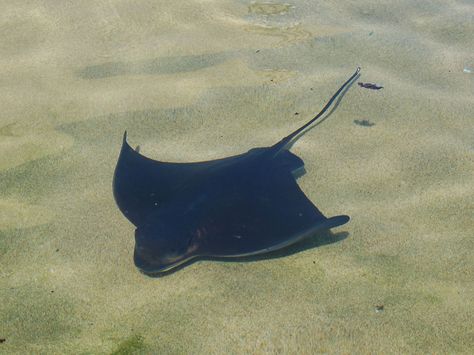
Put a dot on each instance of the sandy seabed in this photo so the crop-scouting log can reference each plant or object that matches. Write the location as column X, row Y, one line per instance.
column 199, row 80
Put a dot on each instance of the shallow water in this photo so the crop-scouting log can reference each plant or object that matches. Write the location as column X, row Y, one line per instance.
column 200, row 80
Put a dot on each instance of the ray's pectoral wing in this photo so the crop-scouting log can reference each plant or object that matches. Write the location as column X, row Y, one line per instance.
column 142, row 184
column 275, row 215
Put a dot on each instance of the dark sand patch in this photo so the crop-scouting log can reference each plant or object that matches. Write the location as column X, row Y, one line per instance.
column 160, row 66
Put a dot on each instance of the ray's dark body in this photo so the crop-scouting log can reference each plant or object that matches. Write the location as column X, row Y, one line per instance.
column 238, row 206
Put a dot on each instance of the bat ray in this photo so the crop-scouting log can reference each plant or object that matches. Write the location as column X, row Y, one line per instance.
column 243, row 205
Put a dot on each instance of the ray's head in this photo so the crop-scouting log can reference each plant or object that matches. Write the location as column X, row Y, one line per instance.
column 160, row 247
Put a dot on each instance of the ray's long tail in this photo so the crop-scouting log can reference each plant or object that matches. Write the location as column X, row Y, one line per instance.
column 285, row 142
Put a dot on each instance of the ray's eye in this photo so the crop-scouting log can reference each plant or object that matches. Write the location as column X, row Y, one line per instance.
column 190, row 243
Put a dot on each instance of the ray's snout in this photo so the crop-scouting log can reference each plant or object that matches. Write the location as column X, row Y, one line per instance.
column 158, row 246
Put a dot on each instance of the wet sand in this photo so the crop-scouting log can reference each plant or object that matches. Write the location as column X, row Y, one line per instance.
column 203, row 80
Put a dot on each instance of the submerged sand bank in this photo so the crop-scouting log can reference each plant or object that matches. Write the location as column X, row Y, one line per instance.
column 203, row 80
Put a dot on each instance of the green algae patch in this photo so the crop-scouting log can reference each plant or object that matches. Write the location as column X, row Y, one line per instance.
column 133, row 345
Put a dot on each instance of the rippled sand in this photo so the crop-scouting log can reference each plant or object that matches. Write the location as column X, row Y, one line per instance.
column 199, row 80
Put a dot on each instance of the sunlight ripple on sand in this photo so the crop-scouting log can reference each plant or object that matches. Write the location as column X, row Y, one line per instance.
column 20, row 144
column 17, row 214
